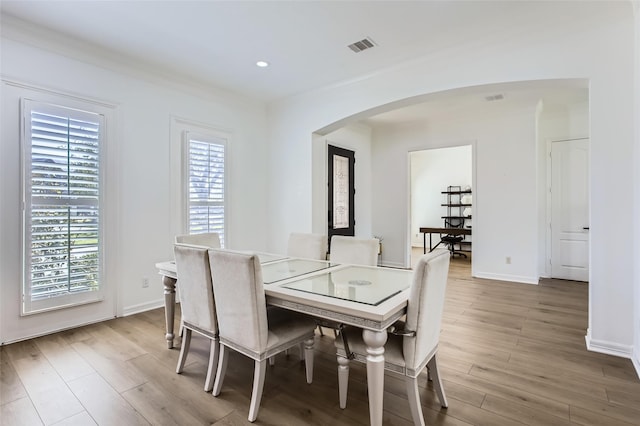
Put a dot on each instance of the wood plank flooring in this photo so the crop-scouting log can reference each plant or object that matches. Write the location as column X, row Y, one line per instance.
column 510, row 354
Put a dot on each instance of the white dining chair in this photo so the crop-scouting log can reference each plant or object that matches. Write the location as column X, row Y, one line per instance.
column 197, row 306
column 307, row 246
column 247, row 326
column 205, row 239
column 413, row 344
column 356, row 251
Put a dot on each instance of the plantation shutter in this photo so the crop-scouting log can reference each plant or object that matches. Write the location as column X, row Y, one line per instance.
column 62, row 206
column 206, row 180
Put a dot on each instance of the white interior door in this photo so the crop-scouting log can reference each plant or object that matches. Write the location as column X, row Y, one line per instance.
column 570, row 209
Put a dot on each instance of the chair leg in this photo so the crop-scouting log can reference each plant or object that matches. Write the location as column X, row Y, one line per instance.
column 222, row 369
column 214, row 353
column 308, row 359
column 437, row 382
column 414, row 400
column 302, row 355
column 259, row 372
column 343, row 380
column 186, row 342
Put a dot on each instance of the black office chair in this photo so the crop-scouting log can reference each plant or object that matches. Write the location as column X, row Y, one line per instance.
column 451, row 241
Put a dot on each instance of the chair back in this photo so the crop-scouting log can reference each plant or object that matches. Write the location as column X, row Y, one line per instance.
column 355, row 251
column 426, row 303
column 196, row 291
column 240, row 299
column 307, row 246
column 207, row 239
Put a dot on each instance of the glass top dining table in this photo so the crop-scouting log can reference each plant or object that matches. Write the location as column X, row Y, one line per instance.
column 360, row 284
column 282, row 269
column 369, row 297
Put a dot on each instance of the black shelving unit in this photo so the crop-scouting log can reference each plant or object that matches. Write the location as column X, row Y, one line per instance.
column 455, row 218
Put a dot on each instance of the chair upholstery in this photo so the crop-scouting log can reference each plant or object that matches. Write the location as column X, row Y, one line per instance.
column 307, row 246
column 247, row 326
column 354, row 250
column 415, row 343
column 207, row 239
column 197, row 306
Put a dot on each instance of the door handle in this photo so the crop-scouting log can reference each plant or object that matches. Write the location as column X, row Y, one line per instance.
column 586, row 228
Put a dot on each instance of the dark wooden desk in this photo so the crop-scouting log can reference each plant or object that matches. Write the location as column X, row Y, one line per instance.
column 440, row 231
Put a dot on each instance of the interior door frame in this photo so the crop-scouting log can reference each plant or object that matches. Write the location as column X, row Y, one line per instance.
column 409, row 230
column 549, row 201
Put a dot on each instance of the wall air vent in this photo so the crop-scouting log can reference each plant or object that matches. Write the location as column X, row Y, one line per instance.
column 492, row 98
column 361, row 45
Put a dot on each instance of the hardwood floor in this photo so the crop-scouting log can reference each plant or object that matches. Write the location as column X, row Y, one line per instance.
column 509, row 353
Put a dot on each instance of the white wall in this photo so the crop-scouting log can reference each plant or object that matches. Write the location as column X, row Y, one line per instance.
column 145, row 222
column 503, row 200
column 555, row 122
column 636, row 348
column 600, row 50
column 432, row 171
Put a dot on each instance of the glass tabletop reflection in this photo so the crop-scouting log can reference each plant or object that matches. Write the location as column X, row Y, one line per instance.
column 290, row 268
column 361, row 284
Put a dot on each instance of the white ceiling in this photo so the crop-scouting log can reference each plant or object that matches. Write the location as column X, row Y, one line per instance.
column 218, row 42
column 457, row 103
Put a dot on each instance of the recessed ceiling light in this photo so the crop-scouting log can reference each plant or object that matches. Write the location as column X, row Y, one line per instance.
column 262, row 64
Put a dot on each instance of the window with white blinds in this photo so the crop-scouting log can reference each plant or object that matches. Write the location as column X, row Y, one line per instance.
column 206, row 184
column 62, row 193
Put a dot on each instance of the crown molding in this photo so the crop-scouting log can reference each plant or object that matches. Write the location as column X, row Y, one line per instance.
column 43, row 38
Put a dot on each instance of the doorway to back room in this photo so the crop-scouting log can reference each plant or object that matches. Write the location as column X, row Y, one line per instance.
column 441, row 202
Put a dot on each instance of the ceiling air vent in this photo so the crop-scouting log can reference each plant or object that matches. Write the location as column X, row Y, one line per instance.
column 492, row 98
column 361, row 45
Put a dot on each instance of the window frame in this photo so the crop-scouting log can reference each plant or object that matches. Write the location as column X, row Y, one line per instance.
column 74, row 110
column 211, row 136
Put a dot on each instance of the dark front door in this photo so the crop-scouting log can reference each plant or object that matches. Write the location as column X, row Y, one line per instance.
column 341, row 163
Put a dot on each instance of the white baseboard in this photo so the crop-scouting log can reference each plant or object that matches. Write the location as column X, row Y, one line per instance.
column 635, row 359
column 131, row 310
column 68, row 326
column 609, row 348
column 503, row 277
column 142, row 307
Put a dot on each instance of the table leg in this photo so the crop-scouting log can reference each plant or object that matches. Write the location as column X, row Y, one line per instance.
column 424, row 242
column 169, row 307
column 375, row 341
